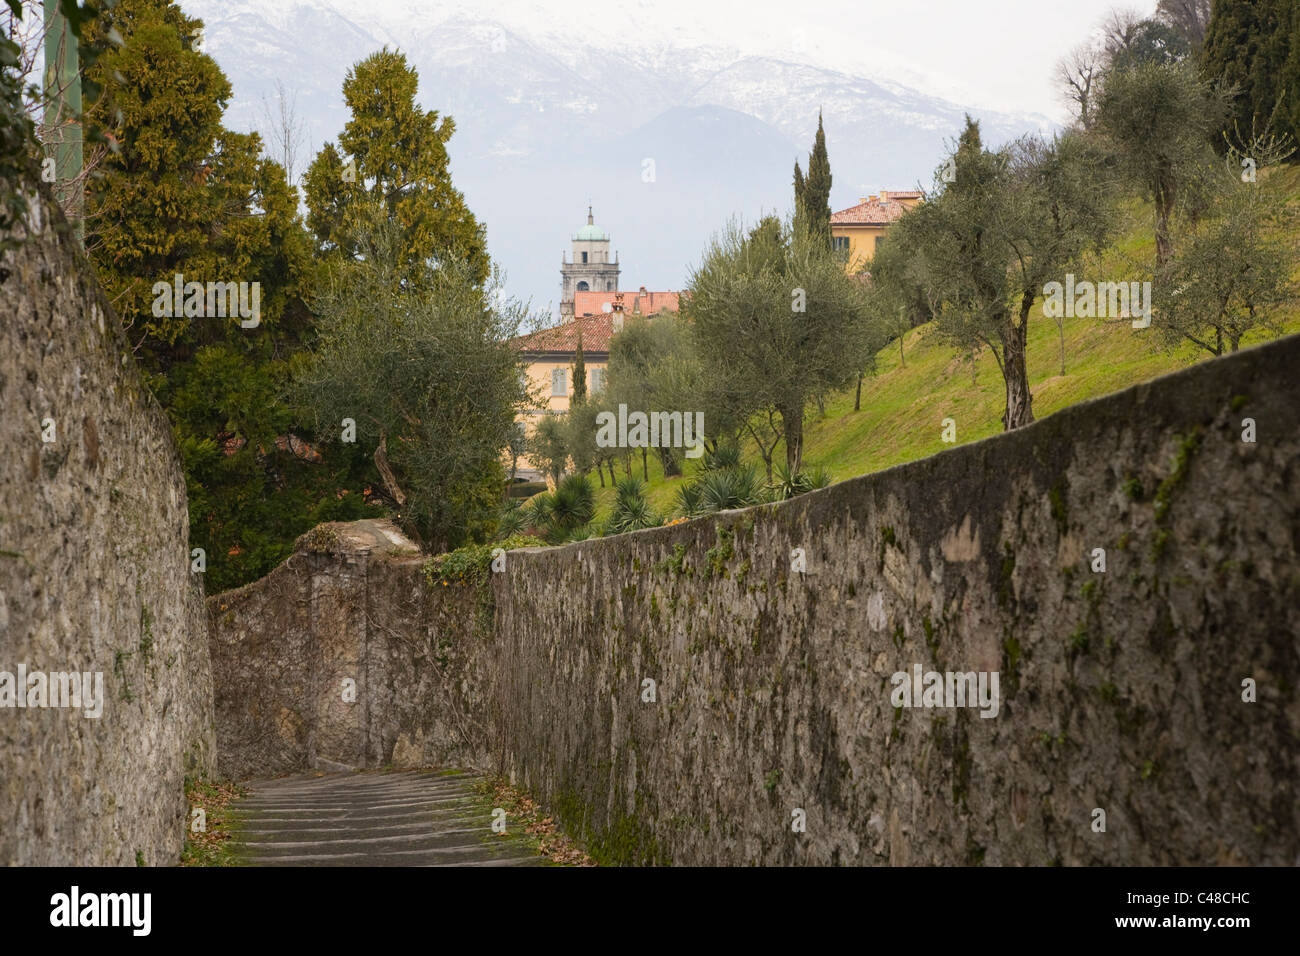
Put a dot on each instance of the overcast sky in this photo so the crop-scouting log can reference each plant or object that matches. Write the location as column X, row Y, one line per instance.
column 992, row 53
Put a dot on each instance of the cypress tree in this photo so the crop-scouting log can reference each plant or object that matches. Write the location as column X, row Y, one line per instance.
column 1254, row 45
column 579, row 375
column 817, row 186
column 800, row 188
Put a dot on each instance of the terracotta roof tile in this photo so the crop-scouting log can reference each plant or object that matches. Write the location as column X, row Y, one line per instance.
column 647, row 303
column 597, row 330
column 877, row 212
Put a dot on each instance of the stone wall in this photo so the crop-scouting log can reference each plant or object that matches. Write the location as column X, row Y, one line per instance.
column 94, row 577
column 1120, row 691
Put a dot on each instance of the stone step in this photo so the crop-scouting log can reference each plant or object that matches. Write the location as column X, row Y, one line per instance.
column 398, row 818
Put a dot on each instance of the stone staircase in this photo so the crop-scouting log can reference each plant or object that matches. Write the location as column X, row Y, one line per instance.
column 375, row 818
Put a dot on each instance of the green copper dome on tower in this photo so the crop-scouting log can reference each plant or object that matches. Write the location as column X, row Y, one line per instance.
column 591, row 232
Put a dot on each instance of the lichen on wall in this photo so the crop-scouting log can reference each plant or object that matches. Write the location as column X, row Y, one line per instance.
column 95, row 578
column 725, row 691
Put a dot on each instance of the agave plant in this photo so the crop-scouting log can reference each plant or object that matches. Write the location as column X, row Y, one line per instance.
column 820, row 477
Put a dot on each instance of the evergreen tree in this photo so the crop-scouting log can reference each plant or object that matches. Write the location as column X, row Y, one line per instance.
column 579, row 375
column 800, row 188
column 817, row 186
column 984, row 247
column 430, row 380
column 774, row 308
column 1253, row 47
column 1158, row 119
column 183, row 195
column 391, row 164
column 154, row 211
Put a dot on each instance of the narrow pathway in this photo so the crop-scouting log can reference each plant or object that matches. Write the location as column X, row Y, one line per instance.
column 373, row 818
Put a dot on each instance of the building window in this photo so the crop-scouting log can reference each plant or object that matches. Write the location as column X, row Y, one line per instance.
column 597, row 380
column 559, row 386
column 583, row 287
column 584, row 257
column 841, row 242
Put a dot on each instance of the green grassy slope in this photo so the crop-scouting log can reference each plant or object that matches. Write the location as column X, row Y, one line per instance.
column 906, row 400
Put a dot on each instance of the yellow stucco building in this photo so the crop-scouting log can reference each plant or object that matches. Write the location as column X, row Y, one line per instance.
column 861, row 228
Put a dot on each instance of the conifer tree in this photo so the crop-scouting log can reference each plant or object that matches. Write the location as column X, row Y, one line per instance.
column 579, row 375
column 183, row 195
column 1253, row 46
column 391, row 164
column 816, row 199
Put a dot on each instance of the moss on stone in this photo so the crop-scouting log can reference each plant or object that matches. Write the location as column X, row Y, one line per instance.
column 1011, row 661
column 322, row 539
column 1188, row 446
column 1060, row 512
column 716, row 558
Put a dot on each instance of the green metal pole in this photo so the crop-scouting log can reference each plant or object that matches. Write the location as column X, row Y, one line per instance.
column 63, row 113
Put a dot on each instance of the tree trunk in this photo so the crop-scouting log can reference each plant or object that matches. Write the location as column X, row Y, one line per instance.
column 1019, row 411
column 645, row 465
column 386, row 473
column 1164, row 203
column 1060, row 327
column 668, row 460
column 792, row 430
column 857, row 399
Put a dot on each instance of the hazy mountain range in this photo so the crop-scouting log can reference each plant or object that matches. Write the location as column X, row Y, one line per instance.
column 546, row 123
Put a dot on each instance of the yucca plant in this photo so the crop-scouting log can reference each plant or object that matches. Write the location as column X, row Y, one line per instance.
column 574, row 505
column 629, row 488
column 537, row 512
column 789, row 485
column 589, row 530
column 732, row 488
column 687, row 504
column 726, row 456
column 511, row 520
column 821, row 477
column 632, row 510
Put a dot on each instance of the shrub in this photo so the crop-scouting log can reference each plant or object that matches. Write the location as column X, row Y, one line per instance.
column 730, row 488
column 632, row 510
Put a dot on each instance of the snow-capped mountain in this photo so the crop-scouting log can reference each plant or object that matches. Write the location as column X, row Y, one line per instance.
column 547, row 121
